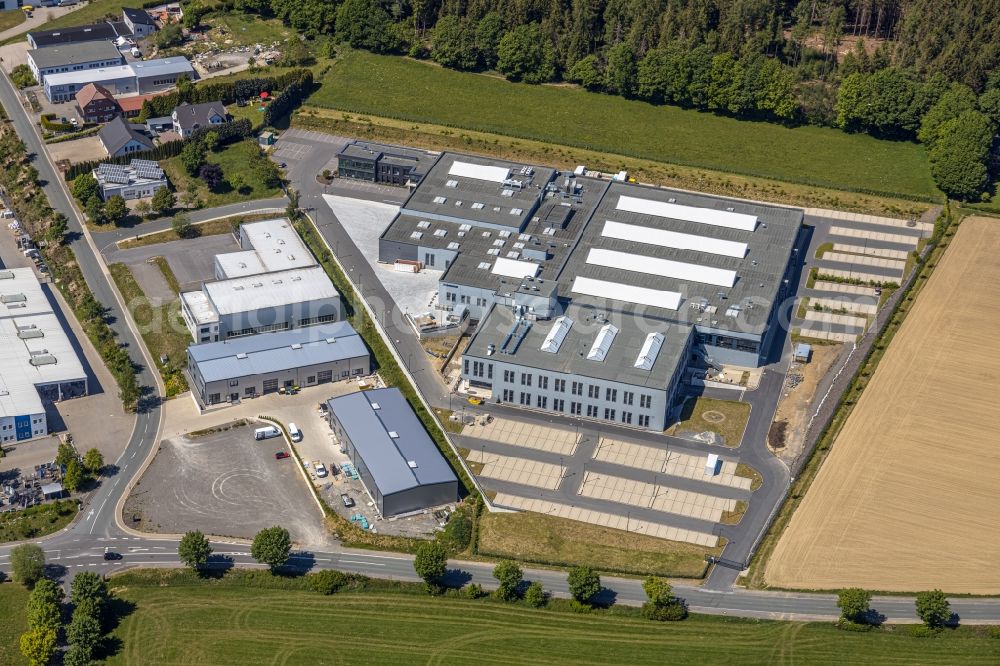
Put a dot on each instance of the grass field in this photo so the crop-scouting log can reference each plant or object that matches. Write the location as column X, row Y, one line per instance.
column 11, row 18
column 223, row 623
column 907, row 497
column 93, row 11
column 13, row 598
column 162, row 328
column 246, row 29
column 36, row 521
column 422, row 92
column 534, row 537
column 233, row 159
column 727, row 418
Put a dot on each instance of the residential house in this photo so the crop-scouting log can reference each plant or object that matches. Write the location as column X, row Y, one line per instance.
column 139, row 22
column 190, row 117
column 97, row 104
column 121, row 138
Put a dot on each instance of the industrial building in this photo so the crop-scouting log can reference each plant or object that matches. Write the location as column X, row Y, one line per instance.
column 636, row 276
column 73, row 58
column 397, row 461
column 137, row 77
column 273, row 284
column 381, row 163
column 38, row 363
column 135, row 23
column 140, row 179
column 247, row 367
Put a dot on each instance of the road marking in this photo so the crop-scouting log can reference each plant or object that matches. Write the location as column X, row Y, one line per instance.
column 99, row 509
column 372, row 564
column 133, row 455
column 380, row 557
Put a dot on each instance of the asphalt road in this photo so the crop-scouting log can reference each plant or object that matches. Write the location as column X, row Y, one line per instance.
column 80, row 546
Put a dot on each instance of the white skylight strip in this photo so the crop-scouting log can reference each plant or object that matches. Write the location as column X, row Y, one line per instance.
column 514, row 268
column 494, row 174
column 673, row 239
column 669, row 300
column 602, row 343
column 716, row 218
column 650, row 350
column 677, row 270
column 553, row 341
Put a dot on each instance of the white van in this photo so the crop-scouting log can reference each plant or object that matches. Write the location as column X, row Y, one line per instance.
column 267, row 432
column 294, row 432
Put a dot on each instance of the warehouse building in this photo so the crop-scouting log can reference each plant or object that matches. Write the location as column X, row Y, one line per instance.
column 145, row 76
column 94, row 32
column 247, row 367
column 396, row 459
column 73, row 58
column 38, row 364
column 272, row 284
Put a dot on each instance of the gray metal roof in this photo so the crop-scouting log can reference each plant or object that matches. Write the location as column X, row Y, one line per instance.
column 759, row 273
column 118, row 132
column 459, row 200
column 74, row 34
column 192, row 116
column 386, row 457
column 75, row 54
column 272, row 352
column 571, row 358
column 138, row 16
column 419, row 160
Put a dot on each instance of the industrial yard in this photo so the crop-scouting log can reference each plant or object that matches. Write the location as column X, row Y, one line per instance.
column 907, row 500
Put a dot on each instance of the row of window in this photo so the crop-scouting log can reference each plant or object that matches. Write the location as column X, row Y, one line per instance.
column 452, row 297
column 575, row 408
column 283, row 326
column 576, row 388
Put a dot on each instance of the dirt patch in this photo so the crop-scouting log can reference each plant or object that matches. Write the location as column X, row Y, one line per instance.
column 798, row 404
column 907, row 498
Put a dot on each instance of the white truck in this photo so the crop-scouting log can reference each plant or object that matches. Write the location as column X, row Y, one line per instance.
column 267, row 432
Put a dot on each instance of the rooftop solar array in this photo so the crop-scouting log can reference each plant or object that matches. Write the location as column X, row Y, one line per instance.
column 114, row 173
column 147, row 169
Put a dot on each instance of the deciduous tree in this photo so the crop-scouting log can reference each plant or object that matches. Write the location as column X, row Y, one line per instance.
column 163, row 200
column 115, row 210
column 526, row 54
column 854, row 604
column 430, row 563
column 509, row 575
column 271, row 546
column 27, row 564
column 38, row 645
column 93, row 461
column 194, row 549
column 933, row 608
column 584, row 584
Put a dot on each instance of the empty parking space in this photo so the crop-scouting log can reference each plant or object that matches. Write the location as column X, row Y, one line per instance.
column 863, row 307
column 884, row 252
column 855, row 275
column 873, row 220
column 666, row 461
column 861, row 260
column 530, row 435
column 833, row 336
column 837, row 319
column 291, row 151
column 612, row 520
column 881, row 236
column 657, row 496
column 228, row 484
column 518, row 470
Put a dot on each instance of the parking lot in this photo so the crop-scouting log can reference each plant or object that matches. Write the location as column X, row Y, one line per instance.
column 192, row 260
column 228, row 484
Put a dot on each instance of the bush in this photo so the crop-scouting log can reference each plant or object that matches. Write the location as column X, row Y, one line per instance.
column 52, row 126
column 535, row 595
column 847, row 625
column 474, row 591
column 584, row 584
column 672, row 612
column 921, row 631
column 457, row 534
column 327, row 581
column 22, row 77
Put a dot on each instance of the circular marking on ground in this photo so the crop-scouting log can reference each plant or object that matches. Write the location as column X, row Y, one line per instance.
column 713, row 416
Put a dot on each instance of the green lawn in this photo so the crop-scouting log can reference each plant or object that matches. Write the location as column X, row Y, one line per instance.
column 36, row 521
column 727, row 418
column 11, row 18
column 92, row 12
column 233, row 158
column 222, row 622
column 422, row 92
column 162, row 328
column 246, row 29
column 13, row 598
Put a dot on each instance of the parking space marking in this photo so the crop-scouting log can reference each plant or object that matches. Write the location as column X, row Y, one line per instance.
column 655, row 496
column 855, row 275
column 528, row 435
column 839, row 319
column 861, row 260
column 821, row 334
column 840, row 304
column 901, row 239
column 838, row 288
column 603, row 519
column 666, row 461
column 883, row 252
column 519, row 470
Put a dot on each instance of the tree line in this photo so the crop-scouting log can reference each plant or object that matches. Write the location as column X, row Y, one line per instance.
column 780, row 60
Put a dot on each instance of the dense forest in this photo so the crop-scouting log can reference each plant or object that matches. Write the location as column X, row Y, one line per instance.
column 903, row 69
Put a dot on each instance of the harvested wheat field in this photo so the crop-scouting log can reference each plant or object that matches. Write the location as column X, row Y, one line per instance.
column 908, row 499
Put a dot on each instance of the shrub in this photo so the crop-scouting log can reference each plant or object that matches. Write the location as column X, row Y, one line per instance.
column 847, row 625
column 474, row 591
column 921, row 631
column 584, row 584
column 22, row 76
column 535, row 595
column 327, row 581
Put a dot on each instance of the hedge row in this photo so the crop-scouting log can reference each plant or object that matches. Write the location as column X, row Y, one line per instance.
column 228, row 92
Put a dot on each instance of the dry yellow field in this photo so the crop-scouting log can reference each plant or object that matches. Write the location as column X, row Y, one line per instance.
column 909, row 498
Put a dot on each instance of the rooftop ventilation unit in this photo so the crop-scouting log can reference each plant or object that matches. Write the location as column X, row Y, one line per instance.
column 557, row 334
column 242, row 355
column 375, row 405
column 393, row 434
column 650, row 350
column 42, row 359
column 296, row 346
column 602, row 343
column 13, row 298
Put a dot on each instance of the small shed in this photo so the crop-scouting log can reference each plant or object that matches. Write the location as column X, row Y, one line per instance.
column 802, row 353
column 53, row 491
column 712, row 464
column 266, row 139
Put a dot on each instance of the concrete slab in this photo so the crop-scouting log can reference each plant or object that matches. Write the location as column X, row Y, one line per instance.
column 861, row 260
column 667, row 462
column 820, row 334
column 886, row 253
column 191, row 260
column 529, row 435
column 902, row 239
column 830, row 318
column 151, row 281
column 856, row 307
column 655, row 496
column 870, row 219
column 838, row 288
column 615, row 521
column 518, row 470
column 857, row 275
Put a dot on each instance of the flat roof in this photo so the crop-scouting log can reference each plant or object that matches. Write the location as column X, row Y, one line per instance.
column 161, row 66
column 253, row 292
column 142, row 69
column 35, row 350
column 74, row 54
column 69, row 35
column 238, row 264
column 277, row 245
column 578, row 331
column 391, row 440
column 729, row 281
column 547, row 239
column 465, row 188
column 272, row 352
column 200, row 307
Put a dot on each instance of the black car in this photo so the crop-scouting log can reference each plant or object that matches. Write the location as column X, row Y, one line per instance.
column 112, row 555
column 347, row 500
